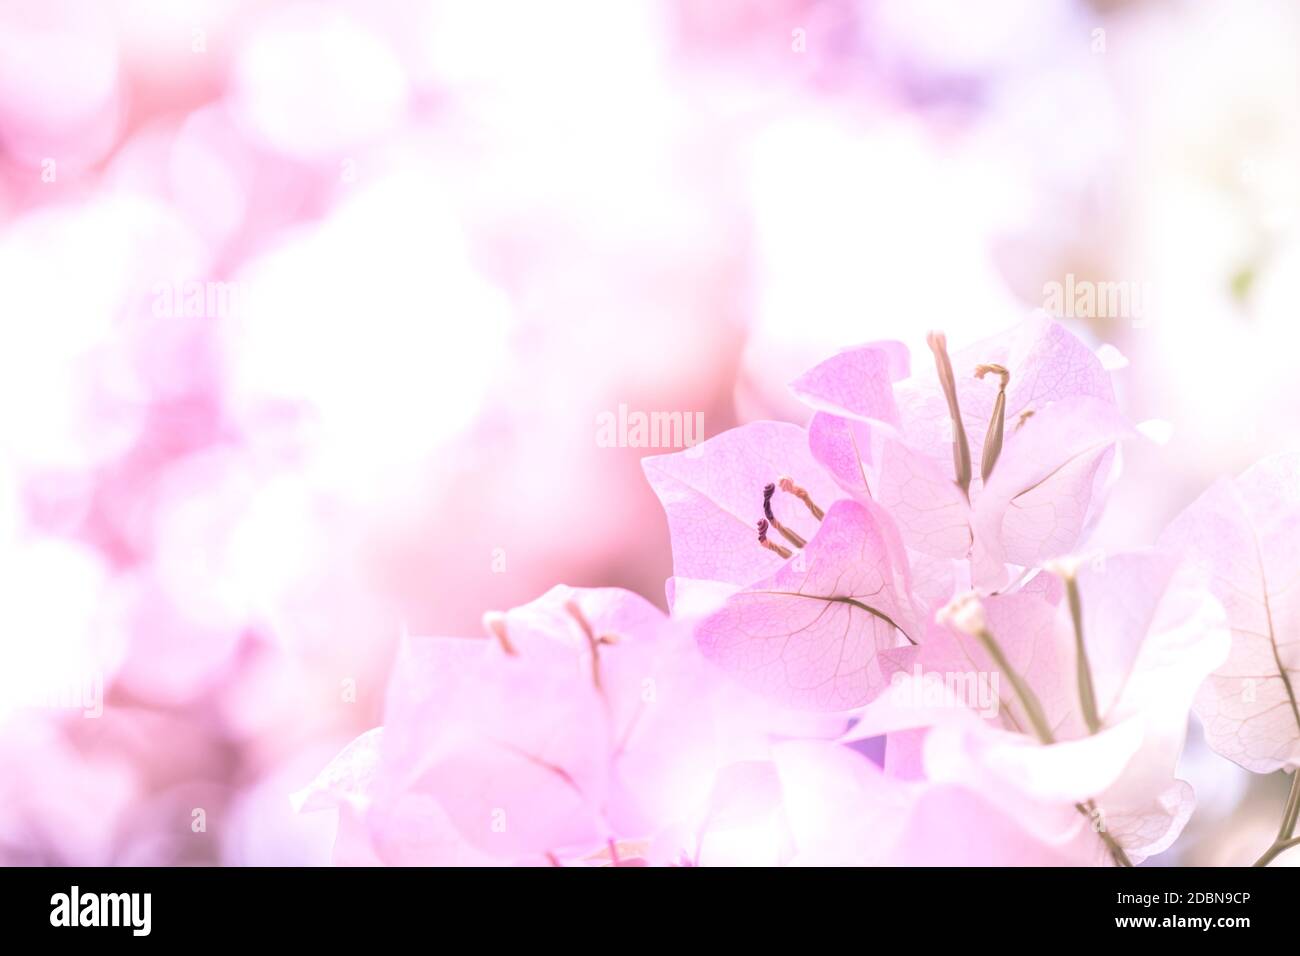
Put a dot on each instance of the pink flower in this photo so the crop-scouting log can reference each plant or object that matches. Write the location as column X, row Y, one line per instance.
column 815, row 803
column 996, row 453
column 1077, row 725
column 806, row 803
column 1245, row 536
column 588, row 718
column 405, row 829
column 1037, row 718
column 808, row 634
column 713, row 496
column 827, row 586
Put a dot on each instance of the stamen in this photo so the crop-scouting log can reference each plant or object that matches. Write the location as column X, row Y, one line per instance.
column 793, row 537
column 1066, row 571
column 494, row 622
column 770, row 545
column 790, row 488
column 938, row 343
column 1027, row 414
column 1028, row 699
column 993, row 440
column 966, row 614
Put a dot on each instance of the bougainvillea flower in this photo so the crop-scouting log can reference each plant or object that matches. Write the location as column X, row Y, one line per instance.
column 1092, row 690
column 795, row 632
column 1037, row 718
column 407, row 829
column 843, row 810
column 808, row 803
column 713, row 496
column 808, row 635
column 815, row 803
column 847, row 392
column 587, row 720
column 1245, row 535
column 995, row 453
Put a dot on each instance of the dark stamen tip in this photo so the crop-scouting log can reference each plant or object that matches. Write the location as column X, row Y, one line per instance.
column 781, row 551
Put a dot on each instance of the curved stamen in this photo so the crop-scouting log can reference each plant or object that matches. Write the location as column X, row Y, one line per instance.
column 790, row 488
column 1066, row 570
column 792, row 536
column 770, row 545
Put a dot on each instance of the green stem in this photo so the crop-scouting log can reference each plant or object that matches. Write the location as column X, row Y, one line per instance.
column 1034, row 711
column 1286, row 838
column 1292, row 812
column 1276, row 850
column 1028, row 700
column 1087, row 695
column 1117, row 853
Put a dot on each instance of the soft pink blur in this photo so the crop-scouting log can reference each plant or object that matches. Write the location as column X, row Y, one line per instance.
column 311, row 312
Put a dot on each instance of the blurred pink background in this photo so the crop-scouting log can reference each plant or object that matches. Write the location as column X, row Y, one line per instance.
column 310, row 311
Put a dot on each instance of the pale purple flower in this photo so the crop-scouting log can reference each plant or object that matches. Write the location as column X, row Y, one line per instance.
column 582, row 718
column 996, row 453
column 808, row 634
column 1244, row 534
column 1084, row 730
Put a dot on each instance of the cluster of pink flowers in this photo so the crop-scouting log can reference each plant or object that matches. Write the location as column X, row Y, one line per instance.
column 912, row 567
